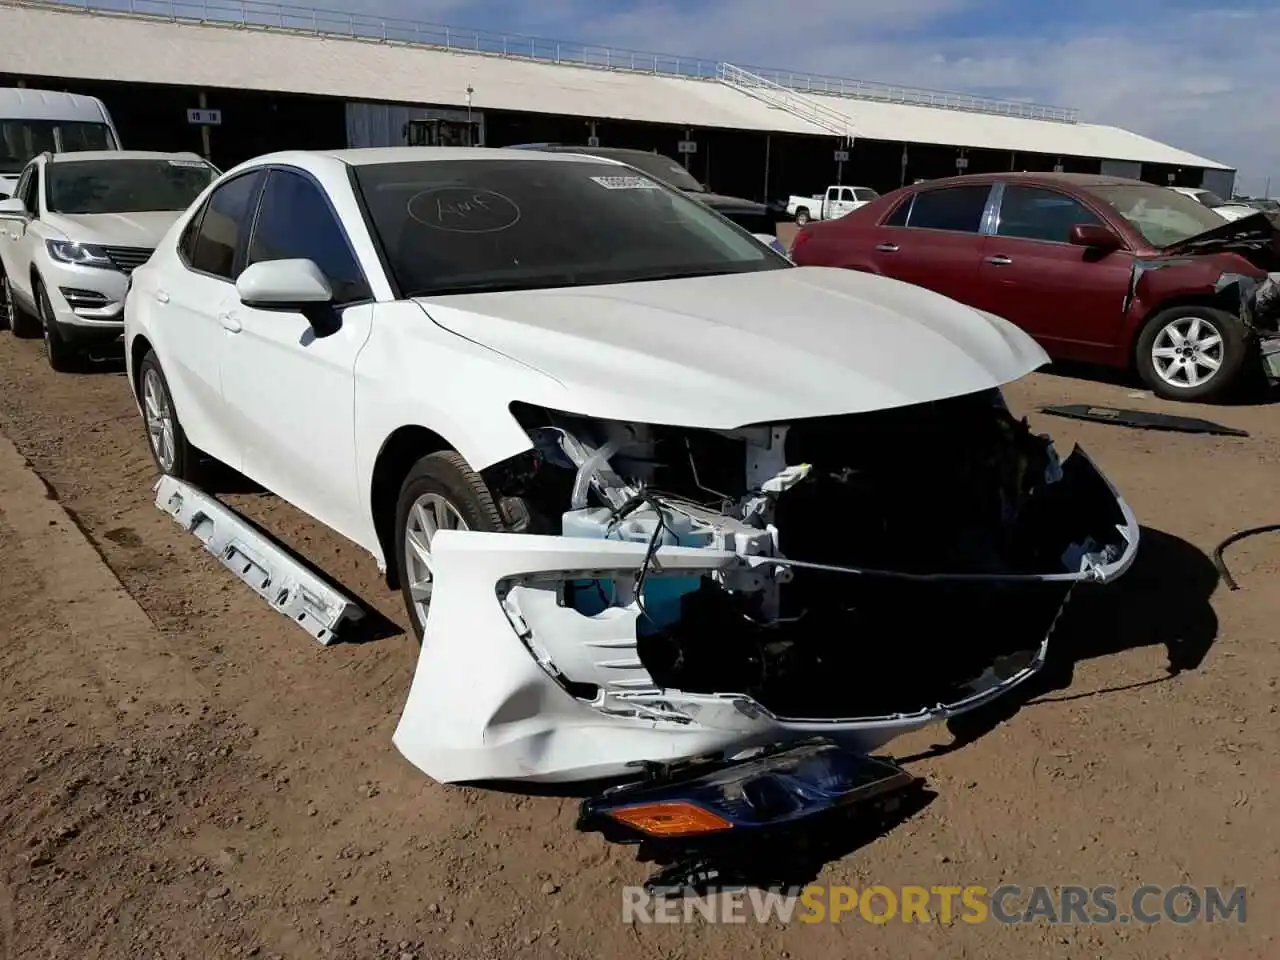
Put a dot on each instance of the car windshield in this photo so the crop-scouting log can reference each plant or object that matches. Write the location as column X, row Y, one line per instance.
column 473, row 226
column 663, row 168
column 125, row 186
column 1163, row 216
column 20, row 140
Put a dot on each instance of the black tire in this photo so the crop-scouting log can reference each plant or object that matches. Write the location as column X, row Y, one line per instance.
column 1236, row 347
column 802, row 216
column 185, row 462
column 23, row 324
column 62, row 356
column 6, row 300
column 447, row 476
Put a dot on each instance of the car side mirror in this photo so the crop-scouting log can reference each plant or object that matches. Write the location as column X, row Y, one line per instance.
column 1095, row 236
column 12, row 206
column 290, row 286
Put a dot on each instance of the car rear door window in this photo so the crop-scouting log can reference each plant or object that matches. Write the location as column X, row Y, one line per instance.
column 225, row 217
column 958, row 209
column 295, row 222
column 1034, row 213
column 899, row 216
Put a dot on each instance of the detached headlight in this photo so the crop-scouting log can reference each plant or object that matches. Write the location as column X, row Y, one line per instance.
column 80, row 254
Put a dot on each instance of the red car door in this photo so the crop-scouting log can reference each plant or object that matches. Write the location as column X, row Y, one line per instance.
column 1070, row 298
column 932, row 239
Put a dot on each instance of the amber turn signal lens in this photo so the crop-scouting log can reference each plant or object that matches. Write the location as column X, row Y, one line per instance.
column 673, row 818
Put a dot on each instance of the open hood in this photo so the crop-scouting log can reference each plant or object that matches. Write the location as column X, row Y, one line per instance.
column 725, row 351
column 1252, row 236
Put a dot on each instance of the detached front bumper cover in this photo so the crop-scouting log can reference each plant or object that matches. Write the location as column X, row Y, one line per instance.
column 513, row 685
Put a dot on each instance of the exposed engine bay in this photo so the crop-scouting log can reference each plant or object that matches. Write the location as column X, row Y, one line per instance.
column 882, row 563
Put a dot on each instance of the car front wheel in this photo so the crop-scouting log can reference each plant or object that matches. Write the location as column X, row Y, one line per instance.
column 1193, row 353
column 441, row 492
column 63, row 357
column 20, row 322
column 166, row 439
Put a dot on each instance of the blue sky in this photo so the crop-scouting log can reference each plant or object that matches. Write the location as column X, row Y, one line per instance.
column 1200, row 75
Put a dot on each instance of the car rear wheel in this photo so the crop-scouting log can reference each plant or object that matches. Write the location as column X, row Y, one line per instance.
column 166, row 439
column 802, row 217
column 1192, row 353
column 441, row 492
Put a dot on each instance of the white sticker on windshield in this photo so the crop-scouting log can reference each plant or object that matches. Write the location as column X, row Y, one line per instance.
column 198, row 164
column 625, row 183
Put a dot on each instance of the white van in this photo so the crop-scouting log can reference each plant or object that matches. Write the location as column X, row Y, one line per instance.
column 33, row 121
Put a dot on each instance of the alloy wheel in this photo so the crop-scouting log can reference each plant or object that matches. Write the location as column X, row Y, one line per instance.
column 429, row 513
column 1187, row 352
column 158, row 412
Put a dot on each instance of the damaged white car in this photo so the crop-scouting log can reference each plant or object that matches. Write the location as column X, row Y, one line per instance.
column 650, row 491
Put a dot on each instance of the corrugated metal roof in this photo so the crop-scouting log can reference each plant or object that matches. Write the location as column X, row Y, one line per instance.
column 39, row 41
column 912, row 124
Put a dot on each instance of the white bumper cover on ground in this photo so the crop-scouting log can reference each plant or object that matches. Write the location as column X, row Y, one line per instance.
column 486, row 704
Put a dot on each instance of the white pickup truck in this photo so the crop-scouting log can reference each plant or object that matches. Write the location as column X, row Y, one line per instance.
column 836, row 202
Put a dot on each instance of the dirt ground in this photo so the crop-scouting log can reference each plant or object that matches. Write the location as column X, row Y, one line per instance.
column 184, row 774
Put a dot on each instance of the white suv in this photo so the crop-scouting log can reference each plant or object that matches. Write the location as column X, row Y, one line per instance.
column 75, row 229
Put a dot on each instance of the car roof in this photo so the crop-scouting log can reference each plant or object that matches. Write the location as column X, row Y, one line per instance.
column 583, row 148
column 1080, row 180
column 79, row 156
column 363, row 156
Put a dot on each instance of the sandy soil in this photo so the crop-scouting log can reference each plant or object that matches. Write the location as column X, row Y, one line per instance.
column 183, row 774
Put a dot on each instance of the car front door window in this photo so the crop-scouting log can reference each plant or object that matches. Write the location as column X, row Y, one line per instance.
column 1034, row 213
column 226, row 216
column 29, row 193
column 295, row 221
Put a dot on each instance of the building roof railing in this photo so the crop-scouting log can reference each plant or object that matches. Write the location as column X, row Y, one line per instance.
column 264, row 15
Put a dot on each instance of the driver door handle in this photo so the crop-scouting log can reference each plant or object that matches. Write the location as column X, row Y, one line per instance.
column 230, row 322
column 161, row 296
column 887, row 247
column 999, row 260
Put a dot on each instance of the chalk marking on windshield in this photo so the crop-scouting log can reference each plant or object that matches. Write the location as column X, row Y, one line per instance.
column 460, row 209
column 193, row 164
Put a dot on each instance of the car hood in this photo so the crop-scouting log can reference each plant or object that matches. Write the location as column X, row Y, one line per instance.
column 728, row 351
column 143, row 229
column 1256, row 232
column 7, row 183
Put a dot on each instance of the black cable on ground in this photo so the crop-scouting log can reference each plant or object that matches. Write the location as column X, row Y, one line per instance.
column 1218, row 562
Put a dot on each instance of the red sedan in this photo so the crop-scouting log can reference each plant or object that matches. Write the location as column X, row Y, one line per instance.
column 1099, row 269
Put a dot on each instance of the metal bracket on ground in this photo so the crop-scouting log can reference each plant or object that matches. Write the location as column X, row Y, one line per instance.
column 271, row 572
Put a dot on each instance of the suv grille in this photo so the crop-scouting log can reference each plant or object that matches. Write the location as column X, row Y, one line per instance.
column 127, row 259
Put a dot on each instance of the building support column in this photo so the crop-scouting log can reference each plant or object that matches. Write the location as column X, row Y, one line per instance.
column 206, row 134
column 768, row 143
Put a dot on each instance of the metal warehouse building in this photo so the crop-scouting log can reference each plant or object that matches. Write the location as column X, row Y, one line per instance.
column 233, row 79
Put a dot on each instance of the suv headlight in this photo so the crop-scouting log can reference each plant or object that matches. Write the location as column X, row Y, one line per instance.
column 81, row 254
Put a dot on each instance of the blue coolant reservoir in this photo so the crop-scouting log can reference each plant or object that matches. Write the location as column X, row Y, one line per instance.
column 661, row 594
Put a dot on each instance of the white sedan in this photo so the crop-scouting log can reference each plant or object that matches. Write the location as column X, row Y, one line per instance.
column 650, row 491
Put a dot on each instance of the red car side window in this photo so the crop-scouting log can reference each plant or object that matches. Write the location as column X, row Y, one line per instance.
column 898, row 218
